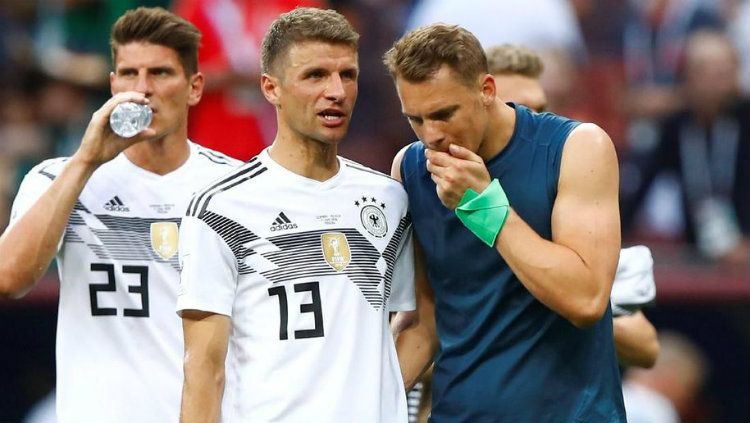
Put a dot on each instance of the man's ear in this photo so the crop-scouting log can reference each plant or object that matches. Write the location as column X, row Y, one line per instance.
column 269, row 85
column 197, row 81
column 488, row 88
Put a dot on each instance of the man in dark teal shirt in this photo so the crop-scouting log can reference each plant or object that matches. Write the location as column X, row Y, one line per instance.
column 518, row 221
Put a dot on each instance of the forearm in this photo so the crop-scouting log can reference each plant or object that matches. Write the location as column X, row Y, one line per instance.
column 416, row 345
column 206, row 340
column 416, row 334
column 30, row 244
column 636, row 342
column 556, row 274
column 202, row 392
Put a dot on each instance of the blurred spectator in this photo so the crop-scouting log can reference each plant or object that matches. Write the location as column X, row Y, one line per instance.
column 560, row 81
column 72, row 39
column 740, row 30
column 671, row 388
column 378, row 129
column 16, row 46
column 707, row 148
column 21, row 139
column 232, row 116
column 654, row 40
column 72, row 51
column 537, row 24
column 65, row 110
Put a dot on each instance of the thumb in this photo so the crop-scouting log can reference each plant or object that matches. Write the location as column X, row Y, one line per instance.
column 463, row 153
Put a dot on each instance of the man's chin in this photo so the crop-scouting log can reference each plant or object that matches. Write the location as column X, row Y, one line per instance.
column 333, row 137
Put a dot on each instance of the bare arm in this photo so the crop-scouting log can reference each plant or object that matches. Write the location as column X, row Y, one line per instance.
column 29, row 245
column 572, row 274
column 206, row 341
column 416, row 335
column 417, row 342
column 636, row 342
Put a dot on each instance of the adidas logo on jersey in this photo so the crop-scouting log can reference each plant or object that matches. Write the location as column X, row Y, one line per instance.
column 116, row 205
column 282, row 223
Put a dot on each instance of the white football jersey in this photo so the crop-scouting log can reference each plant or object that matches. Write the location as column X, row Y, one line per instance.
column 119, row 342
column 308, row 272
column 634, row 286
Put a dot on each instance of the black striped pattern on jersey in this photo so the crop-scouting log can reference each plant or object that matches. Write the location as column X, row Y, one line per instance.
column 75, row 219
column 117, row 237
column 300, row 256
column 214, row 156
column 249, row 170
column 52, row 162
column 236, row 236
column 390, row 254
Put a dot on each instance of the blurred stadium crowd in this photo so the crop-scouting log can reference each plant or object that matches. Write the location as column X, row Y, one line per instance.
column 667, row 79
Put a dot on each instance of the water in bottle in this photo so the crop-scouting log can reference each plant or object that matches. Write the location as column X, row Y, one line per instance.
column 128, row 119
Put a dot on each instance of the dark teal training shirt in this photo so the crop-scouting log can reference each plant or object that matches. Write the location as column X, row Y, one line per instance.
column 504, row 356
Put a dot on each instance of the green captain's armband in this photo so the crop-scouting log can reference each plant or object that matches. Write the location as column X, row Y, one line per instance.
column 484, row 214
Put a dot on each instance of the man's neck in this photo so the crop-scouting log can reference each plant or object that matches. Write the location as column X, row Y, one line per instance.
column 311, row 159
column 161, row 156
column 500, row 129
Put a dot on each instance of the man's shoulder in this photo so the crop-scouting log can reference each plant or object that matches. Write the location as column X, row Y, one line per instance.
column 411, row 155
column 360, row 176
column 546, row 127
column 368, row 173
column 49, row 168
column 214, row 158
column 228, row 184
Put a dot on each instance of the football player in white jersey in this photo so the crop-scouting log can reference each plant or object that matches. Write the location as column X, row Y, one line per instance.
column 110, row 215
column 292, row 263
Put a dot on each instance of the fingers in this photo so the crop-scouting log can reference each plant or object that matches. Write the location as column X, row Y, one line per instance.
column 464, row 153
column 455, row 154
column 456, row 171
column 439, row 163
column 436, row 169
column 446, row 192
column 439, row 158
column 123, row 97
column 100, row 144
column 100, row 118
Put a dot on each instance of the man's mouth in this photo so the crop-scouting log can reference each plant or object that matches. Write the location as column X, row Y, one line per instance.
column 332, row 117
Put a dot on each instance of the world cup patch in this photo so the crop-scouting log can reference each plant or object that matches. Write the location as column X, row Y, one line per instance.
column 164, row 237
column 336, row 250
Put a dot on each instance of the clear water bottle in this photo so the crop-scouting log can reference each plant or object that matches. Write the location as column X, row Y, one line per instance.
column 128, row 119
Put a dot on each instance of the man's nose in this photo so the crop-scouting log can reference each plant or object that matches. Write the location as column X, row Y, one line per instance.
column 335, row 89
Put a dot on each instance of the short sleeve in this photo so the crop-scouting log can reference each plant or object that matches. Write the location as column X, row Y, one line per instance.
column 208, row 275
column 402, row 286
column 34, row 184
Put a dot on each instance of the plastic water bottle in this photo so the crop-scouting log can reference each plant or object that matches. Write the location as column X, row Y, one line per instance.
column 128, row 119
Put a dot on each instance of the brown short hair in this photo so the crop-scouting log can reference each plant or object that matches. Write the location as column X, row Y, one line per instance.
column 158, row 26
column 508, row 59
column 305, row 24
column 419, row 54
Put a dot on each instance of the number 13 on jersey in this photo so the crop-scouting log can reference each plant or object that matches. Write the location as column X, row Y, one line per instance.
column 313, row 307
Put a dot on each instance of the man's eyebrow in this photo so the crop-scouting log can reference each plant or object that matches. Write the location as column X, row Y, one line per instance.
column 444, row 112
column 436, row 114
